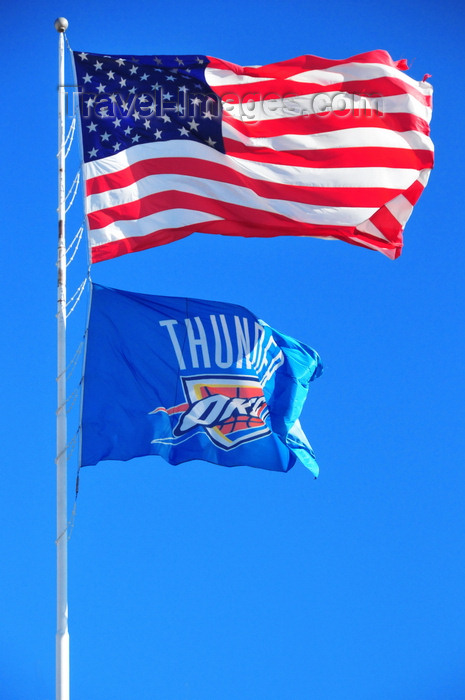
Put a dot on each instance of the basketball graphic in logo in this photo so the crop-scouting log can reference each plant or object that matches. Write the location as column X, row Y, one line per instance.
column 230, row 409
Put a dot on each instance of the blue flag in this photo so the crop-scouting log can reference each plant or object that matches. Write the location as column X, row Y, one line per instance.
column 189, row 379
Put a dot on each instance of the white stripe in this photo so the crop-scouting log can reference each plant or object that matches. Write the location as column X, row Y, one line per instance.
column 171, row 219
column 371, row 229
column 222, row 76
column 345, row 72
column 424, row 176
column 400, row 208
column 322, row 103
column 344, row 138
column 390, row 178
column 231, row 195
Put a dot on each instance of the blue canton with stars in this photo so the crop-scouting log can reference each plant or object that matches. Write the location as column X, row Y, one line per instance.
column 128, row 100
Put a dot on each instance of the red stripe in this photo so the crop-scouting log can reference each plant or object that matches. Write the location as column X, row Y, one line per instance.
column 114, row 249
column 321, row 196
column 412, row 194
column 387, row 224
column 329, row 121
column 174, row 199
column 107, row 251
column 365, row 156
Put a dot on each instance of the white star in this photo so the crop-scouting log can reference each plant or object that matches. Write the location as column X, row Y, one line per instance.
column 116, row 147
column 196, row 101
column 120, row 61
column 183, row 131
column 83, row 56
column 90, row 102
column 166, row 118
column 208, row 114
column 117, row 122
column 98, row 65
column 135, row 139
column 199, row 60
column 183, row 88
column 124, row 105
column 103, row 112
column 132, row 91
column 147, row 124
column 143, row 98
column 133, row 70
column 193, row 124
column 111, row 75
column 122, row 82
column 179, row 109
column 87, row 78
column 128, row 131
column 180, row 61
column 101, row 88
column 92, row 127
column 93, row 153
column 105, row 136
column 113, row 97
column 170, row 77
column 157, row 60
column 167, row 96
column 157, row 134
column 136, row 115
column 156, row 86
column 210, row 141
column 144, row 77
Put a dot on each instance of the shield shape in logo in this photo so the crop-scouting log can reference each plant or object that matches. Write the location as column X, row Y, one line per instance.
column 231, row 409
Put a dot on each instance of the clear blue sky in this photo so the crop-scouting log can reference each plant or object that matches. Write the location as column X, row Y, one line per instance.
column 199, row 582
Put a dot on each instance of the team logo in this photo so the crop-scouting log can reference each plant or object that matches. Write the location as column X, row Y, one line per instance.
column 230, row 409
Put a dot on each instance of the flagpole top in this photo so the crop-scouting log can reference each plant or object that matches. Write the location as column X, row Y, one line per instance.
column 61, row 24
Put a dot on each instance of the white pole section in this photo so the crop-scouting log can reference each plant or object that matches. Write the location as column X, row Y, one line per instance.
column 62, row 636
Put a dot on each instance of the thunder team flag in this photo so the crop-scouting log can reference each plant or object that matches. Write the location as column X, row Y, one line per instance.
column 172, row 145
column 189, row 379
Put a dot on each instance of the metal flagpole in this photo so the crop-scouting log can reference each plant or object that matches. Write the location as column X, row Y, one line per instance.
column 62, row 636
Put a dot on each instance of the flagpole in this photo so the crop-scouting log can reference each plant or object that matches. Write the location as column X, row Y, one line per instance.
column 62, row 635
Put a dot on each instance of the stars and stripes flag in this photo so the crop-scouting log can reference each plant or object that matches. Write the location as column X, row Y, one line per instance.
column 172, row 145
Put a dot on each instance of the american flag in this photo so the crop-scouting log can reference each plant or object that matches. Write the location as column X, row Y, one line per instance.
column 172, row 145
